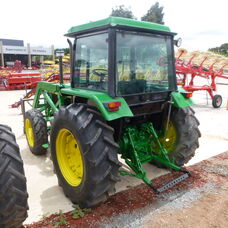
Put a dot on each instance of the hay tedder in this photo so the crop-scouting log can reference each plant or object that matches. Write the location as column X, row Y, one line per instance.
column 121, row 100
column 209, row 66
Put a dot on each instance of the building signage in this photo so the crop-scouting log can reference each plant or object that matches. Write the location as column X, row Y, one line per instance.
column 18, row 50
column 15, row 50
column 40, row 51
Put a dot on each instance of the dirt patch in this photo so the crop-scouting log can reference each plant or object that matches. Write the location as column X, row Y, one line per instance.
column 211, row 210
column 198, row 201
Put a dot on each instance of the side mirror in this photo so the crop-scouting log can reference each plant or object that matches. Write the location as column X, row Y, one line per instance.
column 178, row 42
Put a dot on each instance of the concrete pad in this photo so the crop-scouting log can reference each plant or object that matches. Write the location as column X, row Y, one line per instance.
column 45, row 196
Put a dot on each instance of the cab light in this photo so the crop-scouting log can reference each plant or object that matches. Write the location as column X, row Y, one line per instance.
column 112, row 105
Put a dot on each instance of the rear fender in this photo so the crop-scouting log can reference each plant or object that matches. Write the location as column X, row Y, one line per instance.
column 99, row 99
column 179, row 101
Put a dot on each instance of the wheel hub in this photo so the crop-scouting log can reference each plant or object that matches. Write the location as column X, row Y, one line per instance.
column 29, row 132
column 69, row 157
column 169, row 140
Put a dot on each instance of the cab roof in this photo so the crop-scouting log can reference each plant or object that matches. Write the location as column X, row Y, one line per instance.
column 116, row 22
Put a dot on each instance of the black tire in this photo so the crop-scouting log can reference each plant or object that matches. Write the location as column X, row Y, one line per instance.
column 98, row 152
column 39, row 129
column 217, row 101
column 13, row 190
column 187, row 134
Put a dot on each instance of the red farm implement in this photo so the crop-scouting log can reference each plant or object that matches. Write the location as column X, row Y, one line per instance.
column 204, row 65
column 55, row 78
column 17, row 78
column 21, row 80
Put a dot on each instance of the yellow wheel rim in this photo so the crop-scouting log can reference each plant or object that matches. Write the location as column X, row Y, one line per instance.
column 29, row 133
column 69, row 157
column 169, row 141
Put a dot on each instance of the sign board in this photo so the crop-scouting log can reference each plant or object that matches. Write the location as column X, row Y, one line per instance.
column 40, row 51
column 18, row 50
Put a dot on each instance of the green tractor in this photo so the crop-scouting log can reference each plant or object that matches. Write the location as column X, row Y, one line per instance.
column 122, row 99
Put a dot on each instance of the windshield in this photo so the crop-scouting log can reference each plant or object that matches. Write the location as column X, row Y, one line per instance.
column 144, row 63
column 91, row 64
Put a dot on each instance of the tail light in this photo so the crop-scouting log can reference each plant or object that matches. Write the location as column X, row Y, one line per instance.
column 112, row 105
column 187, row 94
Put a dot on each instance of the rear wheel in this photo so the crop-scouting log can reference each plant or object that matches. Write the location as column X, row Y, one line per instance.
column 36, row 131
column 13, row 191
column 181, row 140
column 84, row 155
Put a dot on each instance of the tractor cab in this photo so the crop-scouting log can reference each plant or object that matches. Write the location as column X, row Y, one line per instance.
column 124, row 57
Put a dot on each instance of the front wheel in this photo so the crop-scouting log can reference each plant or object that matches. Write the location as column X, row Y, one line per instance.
column 36, row 131
column 84, row 155
column 181, row 140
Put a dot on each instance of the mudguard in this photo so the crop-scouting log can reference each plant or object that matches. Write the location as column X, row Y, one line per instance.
column 179, row 101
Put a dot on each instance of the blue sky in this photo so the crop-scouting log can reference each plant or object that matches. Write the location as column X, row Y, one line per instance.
column 201, row 24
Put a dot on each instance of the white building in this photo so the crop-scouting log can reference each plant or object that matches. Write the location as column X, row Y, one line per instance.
column 11, row 50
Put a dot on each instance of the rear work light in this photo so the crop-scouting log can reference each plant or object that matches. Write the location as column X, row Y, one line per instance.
column 112, row 105
column 187, row 94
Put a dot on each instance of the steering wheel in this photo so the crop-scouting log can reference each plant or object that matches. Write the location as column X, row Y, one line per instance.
column 100, row 73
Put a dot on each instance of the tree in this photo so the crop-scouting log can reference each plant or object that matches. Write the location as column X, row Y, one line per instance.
column 223, row 49
column 154, row 14
column 122, row 11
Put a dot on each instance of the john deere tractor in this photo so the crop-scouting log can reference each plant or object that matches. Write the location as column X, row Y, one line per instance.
column 122, row 99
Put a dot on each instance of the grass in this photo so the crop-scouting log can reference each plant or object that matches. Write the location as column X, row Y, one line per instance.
column 61, row 219
column 78, row 212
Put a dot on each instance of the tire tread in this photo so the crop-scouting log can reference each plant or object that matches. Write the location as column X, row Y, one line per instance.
column 100, row 153
column 39, row 126
column 13, row 190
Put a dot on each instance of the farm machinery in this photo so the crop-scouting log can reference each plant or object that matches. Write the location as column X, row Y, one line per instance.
column 19, row 78
column 121, row 100
column 16, row 78
column 22, row 80
column 54, row 78
column 204, row 65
